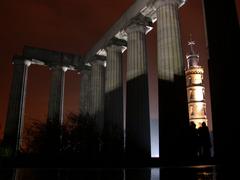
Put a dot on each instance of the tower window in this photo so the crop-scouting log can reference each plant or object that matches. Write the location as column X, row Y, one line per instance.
column 191, row 111
column 189, row 81
column 203, row 91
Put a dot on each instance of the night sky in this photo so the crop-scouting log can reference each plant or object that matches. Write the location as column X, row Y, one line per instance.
column 75, row 26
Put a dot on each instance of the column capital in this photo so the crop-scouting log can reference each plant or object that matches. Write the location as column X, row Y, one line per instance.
column 121, row 35
column 27, row 63
column 139, row 24
column 136, row 28
column 64, row 68
column 21, row 60
column 116, row 44
column 85, row 72
column 98, row 60
column 114, row 47
column 159, row 3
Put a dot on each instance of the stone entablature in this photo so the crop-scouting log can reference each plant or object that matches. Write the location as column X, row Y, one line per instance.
column 53, row 58
column 146, row 8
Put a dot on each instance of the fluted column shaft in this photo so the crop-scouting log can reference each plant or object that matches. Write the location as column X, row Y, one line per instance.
column 113, row 113
column 172, row 97
column 56, row 99
column 114, row 87
column 137, row 56
column 113, row 68
column 97, row 93
column 85, row 91
column 170, row 60
column 15, row 116
column 137, row 99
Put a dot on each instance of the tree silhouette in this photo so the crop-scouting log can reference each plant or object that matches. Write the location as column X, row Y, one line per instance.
column 78, row 135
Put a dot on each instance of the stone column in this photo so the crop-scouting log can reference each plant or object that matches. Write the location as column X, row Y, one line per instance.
column 137, row 98
column 15, row 116
column 173, row 110
column 97, row 93
column 170, row 59
column 85, row 91
column 56, row 99
column 113, row 113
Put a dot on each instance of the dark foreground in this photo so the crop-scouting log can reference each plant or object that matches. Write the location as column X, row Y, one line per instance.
column 198, row 172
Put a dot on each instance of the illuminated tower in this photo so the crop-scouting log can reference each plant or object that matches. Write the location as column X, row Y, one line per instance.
column 195, row 88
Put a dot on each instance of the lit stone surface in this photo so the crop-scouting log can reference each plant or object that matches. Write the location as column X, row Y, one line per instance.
column 196, row 93
column 137, row 57
column 170, row 61
column 142, row 135
column 158, row 3
column 197, row 112
column 113, row 114
column 195, row 88
column 145, row 7
column 113, row 68
column 172, row 96
column 194, row 76
column 117, row 27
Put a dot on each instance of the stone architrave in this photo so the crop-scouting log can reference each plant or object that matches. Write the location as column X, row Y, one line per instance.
column 15, row 116
column 56, row 99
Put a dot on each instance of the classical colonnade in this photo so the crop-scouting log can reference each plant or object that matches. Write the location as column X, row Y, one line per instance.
column 102, row 86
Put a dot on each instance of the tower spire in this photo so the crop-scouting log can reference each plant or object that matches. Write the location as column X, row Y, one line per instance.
column 192, row 57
